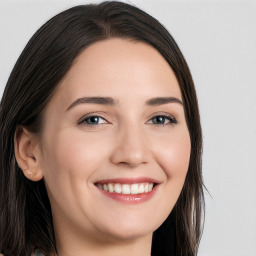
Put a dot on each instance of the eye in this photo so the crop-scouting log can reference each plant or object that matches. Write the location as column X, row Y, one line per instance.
column 92, row 120
column 163, row 120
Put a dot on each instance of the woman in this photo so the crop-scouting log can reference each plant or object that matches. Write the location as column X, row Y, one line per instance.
column 101, row 140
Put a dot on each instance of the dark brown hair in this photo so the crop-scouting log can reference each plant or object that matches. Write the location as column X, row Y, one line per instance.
column 25, row 212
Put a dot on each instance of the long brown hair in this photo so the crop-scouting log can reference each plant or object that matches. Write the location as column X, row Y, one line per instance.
column 25, row 212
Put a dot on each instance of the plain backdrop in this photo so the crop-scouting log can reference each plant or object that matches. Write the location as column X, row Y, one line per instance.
column 218, row 40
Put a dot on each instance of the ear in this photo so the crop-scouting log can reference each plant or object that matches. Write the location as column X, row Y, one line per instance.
column 27, row 153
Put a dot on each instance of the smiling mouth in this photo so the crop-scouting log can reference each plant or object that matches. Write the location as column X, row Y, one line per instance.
column 127, row 189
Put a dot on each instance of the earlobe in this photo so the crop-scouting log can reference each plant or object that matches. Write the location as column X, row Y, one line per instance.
column 26, row 154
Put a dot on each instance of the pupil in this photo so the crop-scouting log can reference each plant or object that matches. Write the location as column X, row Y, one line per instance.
column 160, row 119
column 93, row 120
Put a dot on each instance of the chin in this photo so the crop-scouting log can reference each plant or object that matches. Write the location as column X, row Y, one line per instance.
column 130, row 230
column 129, row 234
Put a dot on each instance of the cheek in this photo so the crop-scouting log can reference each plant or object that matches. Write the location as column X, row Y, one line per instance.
column 68, row 162
column 173, row 153
column 71, row 152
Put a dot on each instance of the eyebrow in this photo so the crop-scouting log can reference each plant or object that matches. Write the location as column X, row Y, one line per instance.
column 94, row 100
column 113, row 102
column 162, row 100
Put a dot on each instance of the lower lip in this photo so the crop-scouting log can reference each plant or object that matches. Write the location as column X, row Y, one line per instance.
column 129, row 198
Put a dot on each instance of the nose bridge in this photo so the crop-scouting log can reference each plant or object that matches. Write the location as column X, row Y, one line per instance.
column 131, row 145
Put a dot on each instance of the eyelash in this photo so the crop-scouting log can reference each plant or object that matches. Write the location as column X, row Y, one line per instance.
column 171, row 119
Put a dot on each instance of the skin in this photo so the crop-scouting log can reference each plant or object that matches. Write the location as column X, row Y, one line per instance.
column 126, row 143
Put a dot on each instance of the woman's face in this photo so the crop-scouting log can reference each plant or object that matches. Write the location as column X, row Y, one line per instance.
column 116, row 122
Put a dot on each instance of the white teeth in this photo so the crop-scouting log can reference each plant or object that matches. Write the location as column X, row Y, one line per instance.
column 135, row 189
column 118, row 188
column 105, row 187
column 110, row 188
column 141, row 188
column 127, row 188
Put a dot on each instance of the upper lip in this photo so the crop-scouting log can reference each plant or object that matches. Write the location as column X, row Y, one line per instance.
column 130, row 180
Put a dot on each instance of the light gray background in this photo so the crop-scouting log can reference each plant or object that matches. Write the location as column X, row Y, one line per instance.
column 218, row 39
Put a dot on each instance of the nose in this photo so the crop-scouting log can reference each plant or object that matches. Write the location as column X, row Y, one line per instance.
column 130, row 147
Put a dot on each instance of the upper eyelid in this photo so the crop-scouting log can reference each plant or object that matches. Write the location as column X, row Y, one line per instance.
column 162, row 114
column 91, row 115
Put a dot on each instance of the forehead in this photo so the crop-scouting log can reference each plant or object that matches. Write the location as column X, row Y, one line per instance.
column 119, row 67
